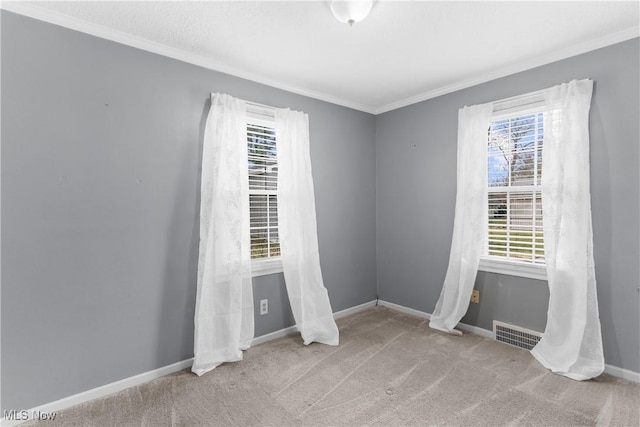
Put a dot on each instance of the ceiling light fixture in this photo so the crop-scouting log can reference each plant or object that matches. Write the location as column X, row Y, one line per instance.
column 350, row 11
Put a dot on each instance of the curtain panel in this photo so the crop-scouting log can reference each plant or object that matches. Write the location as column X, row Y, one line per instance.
column 470, row 218
column 572, row 343
column 224, row 300
column 308, row 296
column 224, row 323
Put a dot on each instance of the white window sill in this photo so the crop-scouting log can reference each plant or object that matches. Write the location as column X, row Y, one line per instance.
column 513, row 268
column 262, row 267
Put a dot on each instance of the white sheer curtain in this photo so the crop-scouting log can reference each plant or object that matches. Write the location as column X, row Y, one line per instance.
column 298, row 232
column 224, row 300
column 571, row 344
column 470, row 217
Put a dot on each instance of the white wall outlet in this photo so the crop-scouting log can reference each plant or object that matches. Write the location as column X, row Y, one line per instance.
column 264, row 306
column 475, row 296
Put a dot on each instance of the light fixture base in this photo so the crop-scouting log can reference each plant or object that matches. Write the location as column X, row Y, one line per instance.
column 350, row 11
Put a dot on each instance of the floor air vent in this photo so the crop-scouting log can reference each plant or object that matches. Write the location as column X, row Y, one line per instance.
column 515, row 335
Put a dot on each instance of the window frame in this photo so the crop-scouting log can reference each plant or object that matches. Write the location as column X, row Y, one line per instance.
column 262, row 116
column 518, row 106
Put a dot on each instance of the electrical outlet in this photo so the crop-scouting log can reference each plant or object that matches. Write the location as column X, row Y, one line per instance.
column 475, row 296
column 264, row 306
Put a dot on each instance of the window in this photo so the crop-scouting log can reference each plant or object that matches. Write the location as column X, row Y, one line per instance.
column 514, row 237
column 263, row 201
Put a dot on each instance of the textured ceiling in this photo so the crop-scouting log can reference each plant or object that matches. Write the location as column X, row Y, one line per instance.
column 403, row 52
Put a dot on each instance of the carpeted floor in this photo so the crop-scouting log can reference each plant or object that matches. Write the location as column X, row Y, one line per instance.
column 389, row 370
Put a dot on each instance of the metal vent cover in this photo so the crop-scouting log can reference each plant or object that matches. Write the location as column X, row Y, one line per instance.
column 515, row 335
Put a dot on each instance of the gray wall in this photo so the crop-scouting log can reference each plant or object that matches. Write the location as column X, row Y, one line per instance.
column 416, row 187
column 101, row 152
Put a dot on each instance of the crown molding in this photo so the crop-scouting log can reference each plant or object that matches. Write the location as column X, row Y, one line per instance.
column 56, row 18
column 557, row 55
column 72, row 23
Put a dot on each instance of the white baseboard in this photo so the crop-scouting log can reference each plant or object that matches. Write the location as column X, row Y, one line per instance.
column 292, row 329
column 353, row 310
column 273, row 335
column 625, row 374
column 406, row 310
column 98, row 392
column 614, row 371
column 424, row 315
column 476, row 330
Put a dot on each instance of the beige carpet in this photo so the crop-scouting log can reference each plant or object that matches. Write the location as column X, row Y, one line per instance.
column 389, row 370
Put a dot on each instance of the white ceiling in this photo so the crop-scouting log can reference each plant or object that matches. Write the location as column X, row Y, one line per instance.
column 404, row 52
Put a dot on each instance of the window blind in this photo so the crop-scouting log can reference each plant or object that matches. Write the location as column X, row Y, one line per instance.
column 514, row 165
column 263, row 186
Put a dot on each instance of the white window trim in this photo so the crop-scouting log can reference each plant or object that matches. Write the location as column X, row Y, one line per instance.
column 520, row 104
column 265, row 266
column 524, row 104
column 512, row 268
